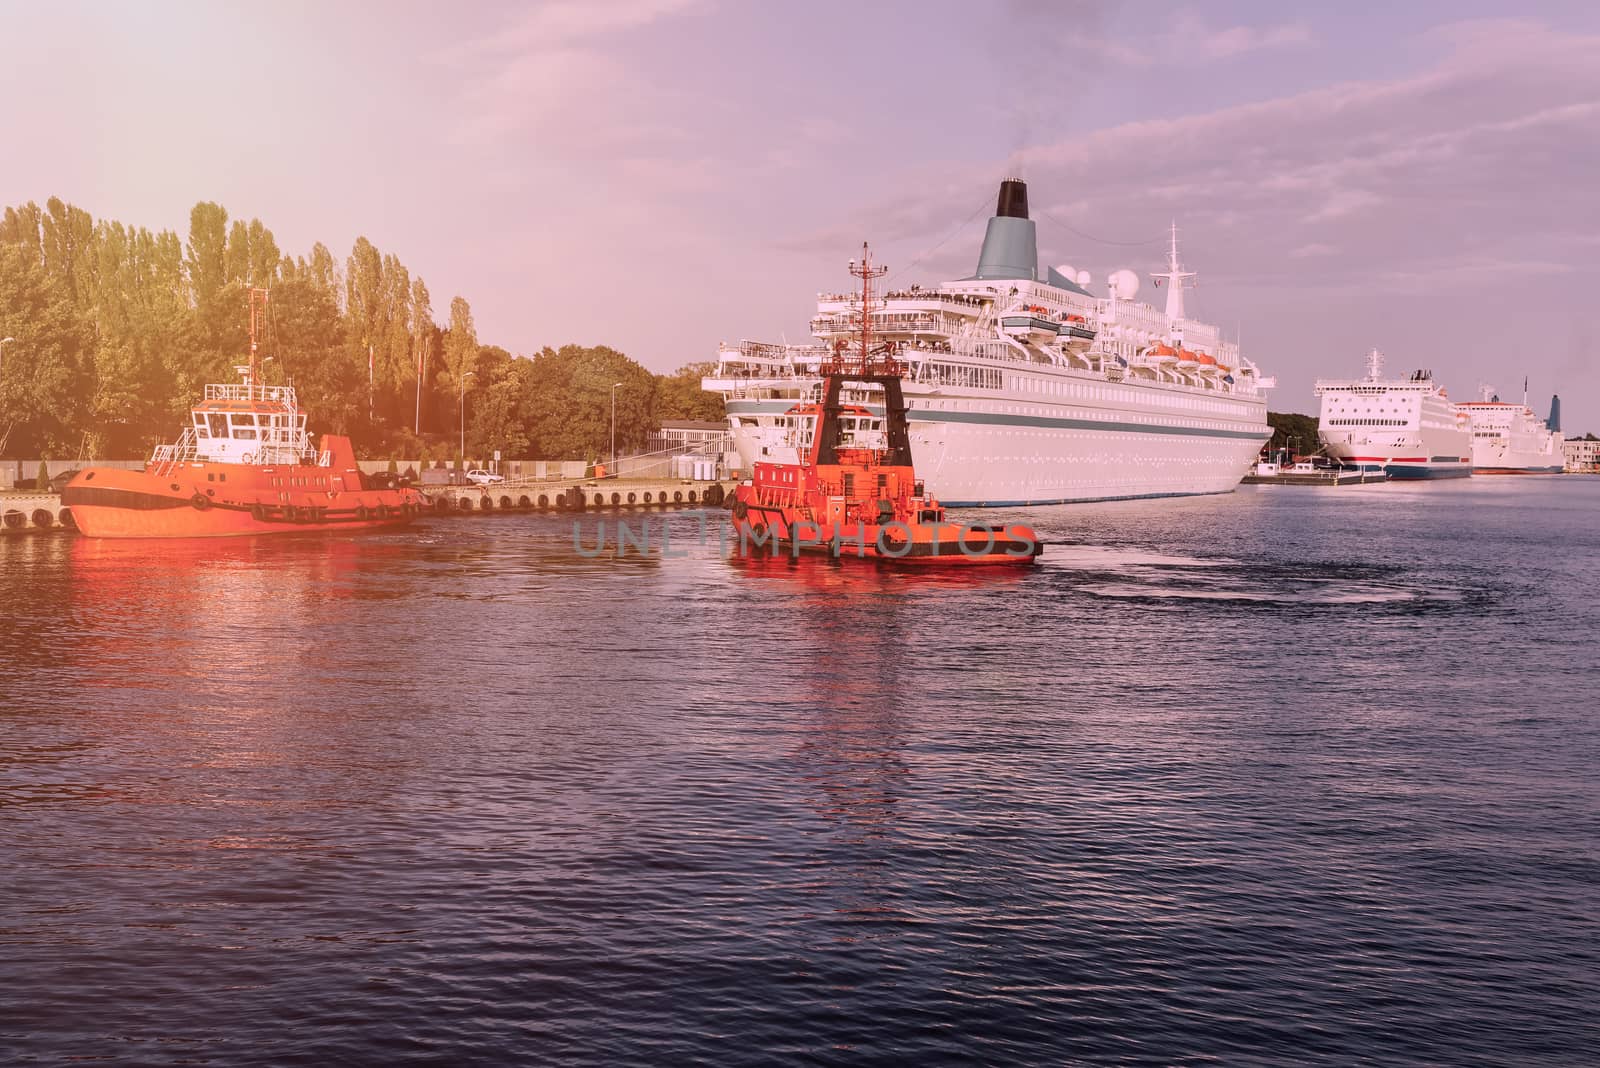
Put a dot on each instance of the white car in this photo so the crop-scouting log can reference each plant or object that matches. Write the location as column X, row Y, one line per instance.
column 479, row 477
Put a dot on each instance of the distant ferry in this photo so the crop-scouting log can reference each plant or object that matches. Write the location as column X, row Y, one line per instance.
column 1509, row 439
column 1023, row 387
column 1404, row 427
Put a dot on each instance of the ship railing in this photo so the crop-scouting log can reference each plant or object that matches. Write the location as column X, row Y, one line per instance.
column 166, row 457
column 987, row 350
column 238, row 391
column 887, row 321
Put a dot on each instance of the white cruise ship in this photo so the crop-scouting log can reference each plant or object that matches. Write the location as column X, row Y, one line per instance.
column 1509, row 439
column 1405, row 427
column 1026, row 388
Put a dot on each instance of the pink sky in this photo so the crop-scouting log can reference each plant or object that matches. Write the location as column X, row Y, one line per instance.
column 659, row 175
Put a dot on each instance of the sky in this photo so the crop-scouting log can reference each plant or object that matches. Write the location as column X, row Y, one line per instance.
column 663, row 175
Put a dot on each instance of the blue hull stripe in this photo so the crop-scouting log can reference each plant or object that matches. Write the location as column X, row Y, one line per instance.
column 917, row 415
column 1416, row 472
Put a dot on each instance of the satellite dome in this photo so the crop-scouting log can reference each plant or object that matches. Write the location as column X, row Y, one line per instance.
column 1067, row 271
column 1124, row 284
column 1084, row 278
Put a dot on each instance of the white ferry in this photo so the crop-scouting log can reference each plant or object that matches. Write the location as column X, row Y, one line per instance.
column 1405, row 427
column 1509, row 439
column 1025, row 389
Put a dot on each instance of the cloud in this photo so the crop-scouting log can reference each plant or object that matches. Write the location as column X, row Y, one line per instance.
column 1237, row 40
column 552, row 75
column 1486, row 157
column 1189, row 40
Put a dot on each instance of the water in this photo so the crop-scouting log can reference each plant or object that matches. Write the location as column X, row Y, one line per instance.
column 1288, row 775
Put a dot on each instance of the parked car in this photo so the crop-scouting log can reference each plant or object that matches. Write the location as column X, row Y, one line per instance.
column 479, row 477
column 59, row 483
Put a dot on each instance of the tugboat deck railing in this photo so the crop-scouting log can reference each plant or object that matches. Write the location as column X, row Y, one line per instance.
column 238, row 391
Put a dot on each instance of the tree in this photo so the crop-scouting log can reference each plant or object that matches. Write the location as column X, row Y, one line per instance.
column 568, row 400
column 461, row 343
column 46, row 378
column 236, row 256
column 264, row 256
column 499, row 420
column 208, row 247
column 422, row 331
column 1293, row 431
column 308, row 342
column 680, row 396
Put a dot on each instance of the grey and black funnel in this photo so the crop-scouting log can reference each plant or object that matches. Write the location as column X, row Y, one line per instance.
column 1554, row 422
column 1011, row 244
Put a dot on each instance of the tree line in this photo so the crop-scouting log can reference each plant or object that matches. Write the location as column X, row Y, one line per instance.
column 116, row 329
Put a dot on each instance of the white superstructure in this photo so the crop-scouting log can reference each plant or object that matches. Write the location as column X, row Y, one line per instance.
column 1028, row 390
column 1407, row 427
column 1509, row 439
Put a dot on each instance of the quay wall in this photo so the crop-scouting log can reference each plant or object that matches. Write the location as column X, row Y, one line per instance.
column 25, row 512
column 41, row 513
column 664, row 467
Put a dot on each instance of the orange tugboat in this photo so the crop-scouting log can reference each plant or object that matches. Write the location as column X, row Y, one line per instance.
column 245, row 465
column 854, row 490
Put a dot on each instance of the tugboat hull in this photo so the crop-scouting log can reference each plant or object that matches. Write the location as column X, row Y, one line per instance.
column 782, row 530
column 222, row 500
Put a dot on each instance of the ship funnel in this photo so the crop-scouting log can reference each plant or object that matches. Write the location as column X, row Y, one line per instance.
column 1011, row 244
column 1554, row 422
column 1013, row 200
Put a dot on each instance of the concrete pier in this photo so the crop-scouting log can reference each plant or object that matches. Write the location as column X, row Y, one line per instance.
column 585, row 496
column 22, row 512
column 41, row 513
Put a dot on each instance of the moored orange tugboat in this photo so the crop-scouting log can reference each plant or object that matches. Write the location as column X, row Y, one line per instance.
column 245, row 465
column 853, row 491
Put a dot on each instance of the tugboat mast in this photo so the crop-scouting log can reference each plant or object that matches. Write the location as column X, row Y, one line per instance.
column 868, row 272
column 258, row 300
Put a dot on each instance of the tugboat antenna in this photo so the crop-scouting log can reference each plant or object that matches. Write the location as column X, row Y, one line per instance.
column 258, row 297
column 867, row 272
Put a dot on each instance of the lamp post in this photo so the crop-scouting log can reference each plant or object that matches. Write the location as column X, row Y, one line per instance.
column 464, row 378
column 614, row 386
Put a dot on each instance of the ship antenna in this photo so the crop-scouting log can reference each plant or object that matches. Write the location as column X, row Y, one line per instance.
column 1374, row 365
column 258, row 297
column 1177, row 278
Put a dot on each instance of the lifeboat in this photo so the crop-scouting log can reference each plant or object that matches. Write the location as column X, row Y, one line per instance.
column 244, row 465
column 1187, row 361
column 1030, row 321
column 1164, row 354
column 1208, row 362
column 859, row 498
column 1075, row 326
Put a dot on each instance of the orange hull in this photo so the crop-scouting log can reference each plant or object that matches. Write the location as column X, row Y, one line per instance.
column 919, row 545
column 218, row 500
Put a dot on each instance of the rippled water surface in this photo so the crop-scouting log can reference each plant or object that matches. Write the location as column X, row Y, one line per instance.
column 1287, row 775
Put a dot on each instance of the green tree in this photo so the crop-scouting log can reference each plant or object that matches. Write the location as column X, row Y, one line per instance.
column 1293, row 431
column 207, row 252
column 308, row 342
column 264, row 256
column 461, row 342
column 46, row 376
column 679, row 395
column 236, row 256
column 568, row 402
column 422, row 341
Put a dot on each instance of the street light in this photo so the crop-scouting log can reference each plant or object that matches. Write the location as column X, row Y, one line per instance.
column 614, row 386
column 464, row 378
